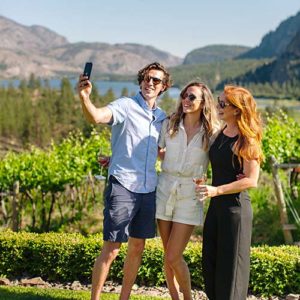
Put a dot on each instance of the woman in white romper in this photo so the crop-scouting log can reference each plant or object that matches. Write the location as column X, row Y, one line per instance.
column 184, row 144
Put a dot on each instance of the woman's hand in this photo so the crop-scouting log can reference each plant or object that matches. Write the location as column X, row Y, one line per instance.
column 206, row 191
column 161, row 153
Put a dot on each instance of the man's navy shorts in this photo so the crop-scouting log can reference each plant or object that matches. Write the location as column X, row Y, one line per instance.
column 127, row 214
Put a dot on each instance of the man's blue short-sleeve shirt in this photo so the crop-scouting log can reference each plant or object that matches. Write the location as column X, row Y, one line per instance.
column 135, row 133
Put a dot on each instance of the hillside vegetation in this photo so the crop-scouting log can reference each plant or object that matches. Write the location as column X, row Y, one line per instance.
column 213, row 73
column 213, row 53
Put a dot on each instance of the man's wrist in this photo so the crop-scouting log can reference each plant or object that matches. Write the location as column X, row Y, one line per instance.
column 85, row 99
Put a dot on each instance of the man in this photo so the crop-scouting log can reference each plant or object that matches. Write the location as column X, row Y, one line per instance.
column 129, row 210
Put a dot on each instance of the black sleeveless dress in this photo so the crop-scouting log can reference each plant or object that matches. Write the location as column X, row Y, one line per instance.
column 227, row 229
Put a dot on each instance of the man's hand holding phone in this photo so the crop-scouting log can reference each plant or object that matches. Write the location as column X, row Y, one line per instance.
column 84, row 85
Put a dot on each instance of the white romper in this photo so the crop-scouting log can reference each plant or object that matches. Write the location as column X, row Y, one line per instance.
column 175, row 196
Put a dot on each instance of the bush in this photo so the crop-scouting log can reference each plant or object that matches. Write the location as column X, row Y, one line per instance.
column 55, row 257
column 275, row 270
column 266, row 227
column 69, row 257
column 281, row 139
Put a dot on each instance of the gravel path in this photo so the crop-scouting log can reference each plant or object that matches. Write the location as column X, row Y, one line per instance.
column 111, row 287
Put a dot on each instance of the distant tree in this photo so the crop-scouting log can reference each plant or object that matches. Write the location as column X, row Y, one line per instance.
column 108, row 97
column 95, row 92
column 33, row 82
column 125, row 92
column 65, row 102
column 167, row 103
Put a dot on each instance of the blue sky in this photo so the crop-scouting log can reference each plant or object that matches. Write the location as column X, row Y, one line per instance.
column 170, row 25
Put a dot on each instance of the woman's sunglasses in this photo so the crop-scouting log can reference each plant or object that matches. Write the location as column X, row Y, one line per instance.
column 155, row 80
column 222, row 103
column 191, row 97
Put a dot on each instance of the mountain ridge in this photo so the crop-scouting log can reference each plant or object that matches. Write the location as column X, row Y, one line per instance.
column 36, row 49
column 274, row 43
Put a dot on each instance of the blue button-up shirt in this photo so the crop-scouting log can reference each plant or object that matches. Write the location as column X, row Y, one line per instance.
column 135, row 133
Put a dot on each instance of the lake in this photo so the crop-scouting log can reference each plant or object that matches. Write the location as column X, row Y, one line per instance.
column 103, row 86
column 117, row 86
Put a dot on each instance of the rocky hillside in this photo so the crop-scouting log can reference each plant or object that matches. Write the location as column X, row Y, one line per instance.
column 285, row 68
column 115, row 59
column 275, row 42
column 214, row 53
column 36, row 49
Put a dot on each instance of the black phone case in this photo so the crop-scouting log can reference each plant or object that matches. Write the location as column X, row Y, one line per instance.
column 88, row 69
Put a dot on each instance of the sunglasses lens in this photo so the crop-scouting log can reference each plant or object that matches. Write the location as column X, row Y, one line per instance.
column 221, row 103
column 192, row 97
column 155, row 80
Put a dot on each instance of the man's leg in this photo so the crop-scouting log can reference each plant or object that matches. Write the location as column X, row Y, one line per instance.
column 101, row 268
column 131, row 265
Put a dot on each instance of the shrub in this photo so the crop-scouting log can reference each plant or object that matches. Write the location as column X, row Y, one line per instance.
column 68, row 257
column 275, row 270
column 281, row 139
column 266, row 216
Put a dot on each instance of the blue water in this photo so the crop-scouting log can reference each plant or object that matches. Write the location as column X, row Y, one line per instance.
column 103, row 86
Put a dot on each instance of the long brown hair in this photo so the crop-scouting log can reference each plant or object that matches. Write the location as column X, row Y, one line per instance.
column 248, row 144
column 208, row 115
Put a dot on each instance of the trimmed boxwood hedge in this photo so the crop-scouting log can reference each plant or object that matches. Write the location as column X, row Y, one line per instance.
column 67, row 257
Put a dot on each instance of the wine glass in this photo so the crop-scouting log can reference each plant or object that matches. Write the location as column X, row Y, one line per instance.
column 199, row 177
column 103, row 161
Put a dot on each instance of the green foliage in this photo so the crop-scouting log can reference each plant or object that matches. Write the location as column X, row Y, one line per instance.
column 193, row 257
column 151, row 271
column 35, row 114
column 266, row 227
column 68, row 257
column 281, row 139
column 167, row 103
column 213, row 53
column 57, row 257
column 33, row 293
column 125, row 92
column 274, row 90
column 213, row 73
column 275, row 270
column 64, row 163
column 44, row 175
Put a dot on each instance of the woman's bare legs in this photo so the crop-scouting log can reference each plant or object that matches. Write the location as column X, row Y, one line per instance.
column 165, row 228
column 179, row 237
column 175, row 237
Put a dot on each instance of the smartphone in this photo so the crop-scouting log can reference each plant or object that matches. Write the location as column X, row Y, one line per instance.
column 88, row 69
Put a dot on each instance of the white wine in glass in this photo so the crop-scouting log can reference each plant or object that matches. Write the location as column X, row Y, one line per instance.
column 200, row 177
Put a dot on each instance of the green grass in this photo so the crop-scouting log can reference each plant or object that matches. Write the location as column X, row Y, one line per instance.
column 32, row 293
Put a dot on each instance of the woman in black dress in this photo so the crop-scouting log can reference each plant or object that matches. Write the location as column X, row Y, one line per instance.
column 228, row 223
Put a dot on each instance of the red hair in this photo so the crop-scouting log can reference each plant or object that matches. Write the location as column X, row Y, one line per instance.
column 248, row 145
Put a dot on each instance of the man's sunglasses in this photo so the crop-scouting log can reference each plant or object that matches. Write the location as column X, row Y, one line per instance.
column 191, row 97
column 155, row 80
column 222, row 103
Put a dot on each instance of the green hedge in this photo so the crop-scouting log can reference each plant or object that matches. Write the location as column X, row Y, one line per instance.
column 68, row 257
